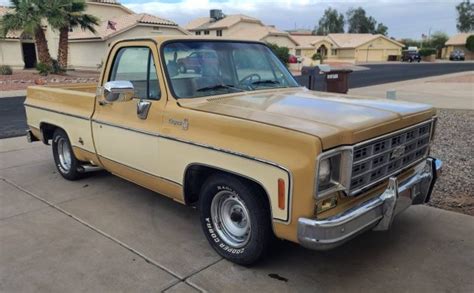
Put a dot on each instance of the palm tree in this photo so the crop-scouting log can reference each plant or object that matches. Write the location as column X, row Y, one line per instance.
column 27, row 16
column 65, row 15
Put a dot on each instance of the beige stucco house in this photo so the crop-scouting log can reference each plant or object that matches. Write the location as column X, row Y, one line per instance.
column 240, row 26
column 458, row 42
column 86, row 49
column 352, row 48
column 12, row 48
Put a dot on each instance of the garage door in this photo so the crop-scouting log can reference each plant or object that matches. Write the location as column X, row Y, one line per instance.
column 370, row 56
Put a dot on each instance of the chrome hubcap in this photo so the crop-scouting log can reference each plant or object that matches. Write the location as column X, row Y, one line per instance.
column 231, row 218
column 64, row 154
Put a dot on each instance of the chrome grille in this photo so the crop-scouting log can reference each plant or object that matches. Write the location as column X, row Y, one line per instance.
column 376, row 160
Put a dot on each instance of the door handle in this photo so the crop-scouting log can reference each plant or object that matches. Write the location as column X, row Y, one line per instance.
column 142, row 109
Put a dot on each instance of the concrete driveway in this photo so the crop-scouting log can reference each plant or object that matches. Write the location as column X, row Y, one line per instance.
column 103, row 234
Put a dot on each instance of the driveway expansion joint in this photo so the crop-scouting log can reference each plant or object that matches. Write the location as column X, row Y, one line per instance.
column 117, row 241
column 77, row 219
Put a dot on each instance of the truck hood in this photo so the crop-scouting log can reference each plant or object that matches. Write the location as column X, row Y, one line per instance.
column 335, row 119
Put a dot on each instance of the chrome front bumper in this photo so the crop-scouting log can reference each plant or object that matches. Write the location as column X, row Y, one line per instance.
column 376, row 213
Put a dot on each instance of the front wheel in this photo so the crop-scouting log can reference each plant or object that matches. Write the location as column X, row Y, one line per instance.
column 66, row 162
column 235, row 218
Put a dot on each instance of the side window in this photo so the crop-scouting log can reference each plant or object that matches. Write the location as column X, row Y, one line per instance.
column 136, row 65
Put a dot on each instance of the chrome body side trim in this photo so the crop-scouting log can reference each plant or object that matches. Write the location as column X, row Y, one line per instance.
column 57, row 112
column 377, row 213
column 286, row 170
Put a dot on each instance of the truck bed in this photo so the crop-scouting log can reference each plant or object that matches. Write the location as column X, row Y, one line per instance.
column 68, row 106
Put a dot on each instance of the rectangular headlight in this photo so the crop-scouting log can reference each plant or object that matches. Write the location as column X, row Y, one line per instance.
column 332, row 171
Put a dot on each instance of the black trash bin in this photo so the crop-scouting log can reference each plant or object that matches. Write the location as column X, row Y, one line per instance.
column 308, row 76
column 337, row 81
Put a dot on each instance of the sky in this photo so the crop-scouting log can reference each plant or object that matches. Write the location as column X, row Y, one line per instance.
column 404, row 18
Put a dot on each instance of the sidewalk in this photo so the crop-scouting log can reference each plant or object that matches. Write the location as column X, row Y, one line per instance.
column 450, row 91
column 10, row 94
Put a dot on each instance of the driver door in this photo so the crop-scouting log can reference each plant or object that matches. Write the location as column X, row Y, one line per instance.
column 125, row 132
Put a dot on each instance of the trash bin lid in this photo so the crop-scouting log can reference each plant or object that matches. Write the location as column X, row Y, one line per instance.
column 324, row 68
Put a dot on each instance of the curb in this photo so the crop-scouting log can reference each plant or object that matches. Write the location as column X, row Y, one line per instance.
column 10, row 94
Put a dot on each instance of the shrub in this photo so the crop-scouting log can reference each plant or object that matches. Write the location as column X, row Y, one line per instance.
column 5, row 70
column 425, row 52
column 318, row 56
column 56, row 68
column 470, row 43
column 282, row 53
column 43, row 69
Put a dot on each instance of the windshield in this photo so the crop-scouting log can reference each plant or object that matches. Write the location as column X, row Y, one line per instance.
column 206, row 68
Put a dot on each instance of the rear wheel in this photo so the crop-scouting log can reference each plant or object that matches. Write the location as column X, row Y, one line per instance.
column 66, row 162
column 235, row 219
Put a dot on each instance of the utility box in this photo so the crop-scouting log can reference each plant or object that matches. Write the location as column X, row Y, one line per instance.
column 337, row 81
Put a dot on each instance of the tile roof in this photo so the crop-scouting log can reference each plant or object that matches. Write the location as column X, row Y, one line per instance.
column 459, row 39
column 351, row 40
column 309, row 40
column 11, row 34
column 105, row 1
column 120, row 23
column 258, row 33
column 226, row 22
column 356, row 40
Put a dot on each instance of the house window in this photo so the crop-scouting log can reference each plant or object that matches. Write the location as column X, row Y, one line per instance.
column 206, row 32
column 333, row 52
column 198, row 33
column 298, row 52
column 219, row 33
column 156, row 28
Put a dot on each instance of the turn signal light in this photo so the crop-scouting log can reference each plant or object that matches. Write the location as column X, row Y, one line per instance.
column 281, row 194
column 326, row 204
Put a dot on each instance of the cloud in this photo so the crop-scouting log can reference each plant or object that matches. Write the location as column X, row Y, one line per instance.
column 4, row 2
column 405, row 18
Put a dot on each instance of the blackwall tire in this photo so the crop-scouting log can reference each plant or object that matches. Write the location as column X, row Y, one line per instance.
column 235, row 218
column 64, row 159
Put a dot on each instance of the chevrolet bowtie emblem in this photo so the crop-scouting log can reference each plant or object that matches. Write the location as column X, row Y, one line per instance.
column 398, row 152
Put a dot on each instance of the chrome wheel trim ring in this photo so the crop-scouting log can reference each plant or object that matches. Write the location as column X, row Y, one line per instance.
column 231, row 218
column 64, row 154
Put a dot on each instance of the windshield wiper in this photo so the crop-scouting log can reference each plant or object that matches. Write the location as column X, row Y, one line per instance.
column 218, row 87
column 266, row 81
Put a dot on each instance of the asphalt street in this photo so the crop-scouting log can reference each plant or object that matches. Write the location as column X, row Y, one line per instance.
column 12, row 113
column 385, row 73
column 12, row 117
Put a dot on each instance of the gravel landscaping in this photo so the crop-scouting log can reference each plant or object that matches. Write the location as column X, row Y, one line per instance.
column 21, row 79
column 454, row 145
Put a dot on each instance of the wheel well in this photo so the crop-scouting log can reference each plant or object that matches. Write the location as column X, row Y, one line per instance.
column 47, row 131
column 196, row 174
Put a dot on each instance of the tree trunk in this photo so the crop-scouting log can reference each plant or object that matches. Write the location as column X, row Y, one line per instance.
column 63, row 47
column 42, row 46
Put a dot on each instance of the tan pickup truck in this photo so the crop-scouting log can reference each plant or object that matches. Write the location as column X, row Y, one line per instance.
column 223, row 125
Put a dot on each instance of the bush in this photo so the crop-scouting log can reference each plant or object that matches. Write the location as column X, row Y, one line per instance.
column 470, row 43
column 283, row 53
column 43, row 69
column 56, row 68
column 5, row 70
column 425, row 52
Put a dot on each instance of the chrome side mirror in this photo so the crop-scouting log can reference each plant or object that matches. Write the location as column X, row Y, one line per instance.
column 118, row 91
